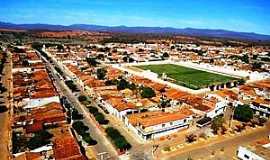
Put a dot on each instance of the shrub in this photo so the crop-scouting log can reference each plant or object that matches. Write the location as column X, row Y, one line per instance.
column 167, row 148
column 190, row 138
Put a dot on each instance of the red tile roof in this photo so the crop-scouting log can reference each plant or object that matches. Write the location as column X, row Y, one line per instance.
column 148, row 119
column 120, row 104
column 40, row 75
column 66, row 148
column 45, row 93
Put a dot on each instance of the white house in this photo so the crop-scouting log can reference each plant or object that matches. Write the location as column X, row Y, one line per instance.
column 151, row 125
column 118, row 107
column 244, row 153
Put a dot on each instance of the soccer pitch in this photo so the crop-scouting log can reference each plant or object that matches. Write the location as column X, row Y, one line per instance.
column 188, row 77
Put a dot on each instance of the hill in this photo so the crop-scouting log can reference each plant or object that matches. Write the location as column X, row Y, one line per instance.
column 215, row 33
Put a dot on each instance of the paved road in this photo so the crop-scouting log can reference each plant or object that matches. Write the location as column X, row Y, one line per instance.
column 5, row 121
column 103, row 143
column 205, row 151
column 138, row 150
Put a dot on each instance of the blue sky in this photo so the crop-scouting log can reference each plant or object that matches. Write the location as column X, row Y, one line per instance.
column 237, row 15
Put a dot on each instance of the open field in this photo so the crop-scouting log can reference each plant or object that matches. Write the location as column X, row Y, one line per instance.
column 188, row 77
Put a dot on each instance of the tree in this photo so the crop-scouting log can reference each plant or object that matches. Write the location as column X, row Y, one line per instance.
column 241, row 81
column 125, row 59
column 3, row 109
column 82, row 98
column 255, row 56
column 256, row 65
column 88, row 139
column 217, row 123
column 76, row 115
column 118, row 139
column 40, row 139
column 79, row 127
column 147, row 92
column 100, row 118
column 101, row 73
column 93, row 110
column 19, row 142
column 92, row 62
column 245, row 58
column 243, row 113
column 190, row 138
column 71, row 85
column 122, row 84
column 60, row 48
column 132, row 86
column 165, row 55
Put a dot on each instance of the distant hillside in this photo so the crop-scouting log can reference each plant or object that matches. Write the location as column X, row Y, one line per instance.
column 216, row 33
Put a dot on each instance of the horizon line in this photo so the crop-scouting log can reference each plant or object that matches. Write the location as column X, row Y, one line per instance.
column 67, row 25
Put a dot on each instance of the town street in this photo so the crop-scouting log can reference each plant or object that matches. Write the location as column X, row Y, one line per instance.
column 213, row 149
column 5, row 118
column 103, row 143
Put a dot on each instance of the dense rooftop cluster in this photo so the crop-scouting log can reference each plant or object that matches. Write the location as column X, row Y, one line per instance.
column 40, row 129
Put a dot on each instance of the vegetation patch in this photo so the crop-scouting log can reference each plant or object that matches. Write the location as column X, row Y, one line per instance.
column 243, row 113
column 188, row 77
column 118, row 140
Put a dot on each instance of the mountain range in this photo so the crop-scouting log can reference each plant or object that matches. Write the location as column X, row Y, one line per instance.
column 215, row 33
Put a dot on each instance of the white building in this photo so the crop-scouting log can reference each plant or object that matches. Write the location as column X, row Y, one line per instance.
column 151, row 125
column 244, row 153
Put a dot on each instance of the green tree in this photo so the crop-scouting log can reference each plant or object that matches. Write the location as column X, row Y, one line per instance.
column 132, row 86
column 243, row 113
column 92, row 62
column 165, row 55
column 122, row 84
column 76, row 115
column 101, row 73
column 217, row 123
column 71, row 85
column 93, row 110
column 118, row 139
column 79, row 127
column 147, row 92
column 82, row 98
column 88, row 139
column 241, row 81
column 245, row 58
column 40, row 139
column 100, row 118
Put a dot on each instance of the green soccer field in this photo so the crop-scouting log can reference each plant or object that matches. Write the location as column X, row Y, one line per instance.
column 188, row 77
